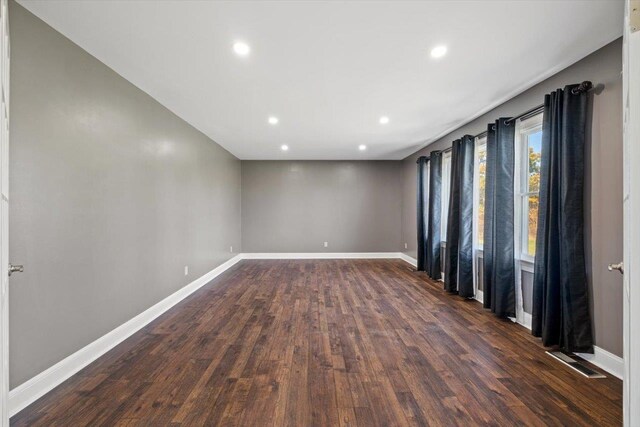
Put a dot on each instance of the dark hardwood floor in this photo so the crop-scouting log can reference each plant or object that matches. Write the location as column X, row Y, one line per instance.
column 327, row 342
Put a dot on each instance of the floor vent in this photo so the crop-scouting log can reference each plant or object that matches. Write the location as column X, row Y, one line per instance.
column 575, row 364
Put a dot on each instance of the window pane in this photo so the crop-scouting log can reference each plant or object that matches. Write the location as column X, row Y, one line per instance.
column 482, row 168
column 534, row 145
column 532, row 225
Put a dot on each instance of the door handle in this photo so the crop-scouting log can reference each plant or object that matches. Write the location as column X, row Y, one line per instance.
column 15, row 269
column 619, row 266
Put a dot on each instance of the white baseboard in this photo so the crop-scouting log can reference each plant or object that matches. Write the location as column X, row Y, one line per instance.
column 606, row 361
column 603, row 359
column 321, row 255
column 525, row 319
column 408, row 259
column 479, row 296
column 31, row 390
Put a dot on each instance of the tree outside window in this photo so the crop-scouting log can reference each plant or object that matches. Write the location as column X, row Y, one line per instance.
column 534, row 142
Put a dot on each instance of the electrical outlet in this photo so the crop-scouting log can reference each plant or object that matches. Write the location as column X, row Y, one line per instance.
column 186, row 270
column 326, row 244
column 405, row 246
column 231, row 249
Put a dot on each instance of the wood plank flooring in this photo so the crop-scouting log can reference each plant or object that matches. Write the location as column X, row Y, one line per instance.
column 327, row 343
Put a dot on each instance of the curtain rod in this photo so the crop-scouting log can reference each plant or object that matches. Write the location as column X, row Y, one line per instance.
column 532, row 112
column 585, row 86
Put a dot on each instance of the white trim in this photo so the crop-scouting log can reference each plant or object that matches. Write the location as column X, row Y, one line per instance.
column 478, row 254
column 31, row 390
column 322, row 255
column 524, row 129
column 527, row 320
column 406, row 258
column 606, row 361
column 527, row 265
column 477, row 143
column 631, row 209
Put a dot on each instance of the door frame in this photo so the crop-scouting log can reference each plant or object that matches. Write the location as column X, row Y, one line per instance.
column 631, row 201
column 4, row 212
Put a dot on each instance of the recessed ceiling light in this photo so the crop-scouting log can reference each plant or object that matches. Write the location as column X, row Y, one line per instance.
column 384, row 120
column 362, row 147
column 284, row 147
column 438, row 51
column 273, row 120
column 241, row 48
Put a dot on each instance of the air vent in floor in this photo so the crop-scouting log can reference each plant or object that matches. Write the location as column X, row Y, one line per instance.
column 575, row 364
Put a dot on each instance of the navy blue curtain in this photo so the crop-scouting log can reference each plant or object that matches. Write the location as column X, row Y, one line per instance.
column 453, row 224
column 433, row 263
column 498, row 248
column 458, row 274
column 422, row 218
column 560, row 295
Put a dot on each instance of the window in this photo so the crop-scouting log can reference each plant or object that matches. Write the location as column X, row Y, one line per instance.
column 479, row 180
column 444, row 201
column 480, row 169
column 528, row 145
column 528, row 153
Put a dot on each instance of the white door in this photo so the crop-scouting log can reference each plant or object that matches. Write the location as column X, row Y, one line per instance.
column 4, row 211
column 631, row 100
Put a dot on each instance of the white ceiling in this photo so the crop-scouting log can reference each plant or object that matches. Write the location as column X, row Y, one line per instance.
column 328, row 70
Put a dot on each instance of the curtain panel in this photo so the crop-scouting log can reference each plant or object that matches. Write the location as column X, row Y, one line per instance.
column 433, row 262
column 453, row 222
column 499, row 262
column 422, row 214
column 458, row 274
column 560, row 294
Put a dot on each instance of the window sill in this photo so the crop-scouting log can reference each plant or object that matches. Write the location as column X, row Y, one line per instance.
column 527, row 264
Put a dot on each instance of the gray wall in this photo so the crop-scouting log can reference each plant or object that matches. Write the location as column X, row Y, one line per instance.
column 111, row 196
column 604, row 195
column 296, row 206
